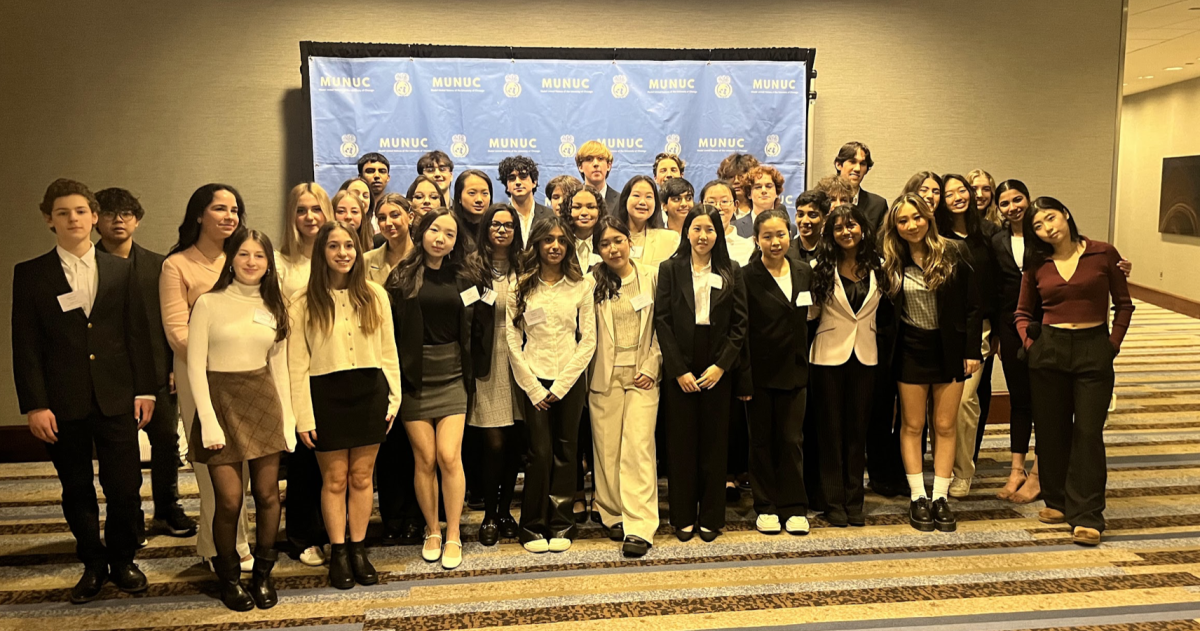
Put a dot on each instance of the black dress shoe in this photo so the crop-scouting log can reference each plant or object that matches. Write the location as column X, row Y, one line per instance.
column 411, row 533
column 885, row 490
column 489, row 532
column 89, row 585
column 173, row 522
column 127, row 577
column 617, row 532
column 708, row 536
column 508, row 527
column 855, row 518
column 635, row 546
column 685, row 535
column 474, row 502
column 391, row 535
column 920, row 515
column 943, row 517
column 732, row 494
column 837, row 519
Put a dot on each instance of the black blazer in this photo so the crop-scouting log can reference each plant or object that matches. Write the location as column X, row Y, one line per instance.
column 873, row 207
column 612, row 198
column 1007, row 279
column 675, row 318
column 147, row 267
column 62, row 360
column 409, row 325
column 778, row 329
column 959, row 314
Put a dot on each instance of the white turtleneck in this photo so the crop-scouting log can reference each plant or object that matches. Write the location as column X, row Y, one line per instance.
column 232, row 330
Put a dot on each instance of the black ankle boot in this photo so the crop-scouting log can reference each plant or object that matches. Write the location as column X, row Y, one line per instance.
column 364, row 572
column 229, row 574
column 262, row 588
column 340, row 574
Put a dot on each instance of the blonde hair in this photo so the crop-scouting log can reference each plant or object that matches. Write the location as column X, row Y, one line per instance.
column 992, row 212
column 291, row 236
column 365, row 231
column 592, row 149
column 939, row 262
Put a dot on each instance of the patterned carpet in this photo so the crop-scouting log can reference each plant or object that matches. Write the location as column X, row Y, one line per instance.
column 1001, row 570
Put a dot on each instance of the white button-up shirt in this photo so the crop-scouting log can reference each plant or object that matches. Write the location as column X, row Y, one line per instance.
column 81, row 274
column 547, row 349
column 702, row 286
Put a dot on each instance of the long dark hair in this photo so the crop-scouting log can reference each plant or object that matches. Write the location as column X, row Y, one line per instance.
column 531, row 262
column 720, row 252
column 945, row 217
column 460, row 184
column 1011, row 185
column 189, row 230
column 608, row 284
column 268, row 285
column 410, row 271
column 829, row 254
column 1036, row 250
column 320, row 305
column 622, row 210
column 485, row 246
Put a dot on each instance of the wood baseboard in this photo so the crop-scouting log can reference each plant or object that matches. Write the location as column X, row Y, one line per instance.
column 1171, row 302
column 17, row 444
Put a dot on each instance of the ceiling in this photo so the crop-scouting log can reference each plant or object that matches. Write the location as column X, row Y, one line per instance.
column 1162, row 44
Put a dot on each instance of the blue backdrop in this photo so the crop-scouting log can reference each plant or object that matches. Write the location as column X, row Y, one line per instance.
column 482, row 110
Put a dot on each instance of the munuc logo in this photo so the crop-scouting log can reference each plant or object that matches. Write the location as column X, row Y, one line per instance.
column 773, row 147
column 402, row 86
column 620, row 88
column 724, row 87
column 512, row 86
column 459, row 148
column 349, row 146
column 567, row 148
column 673, row 145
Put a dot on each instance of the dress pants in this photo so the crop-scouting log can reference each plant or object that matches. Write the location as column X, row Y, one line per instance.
column 968, row 417
column 550, row 474
column 1016, row 375
column 985, row 399
column 623, row 424
column 205, row 547
column 697, row 433
column 1071, row 373
column 776, row 424
column 163, row 432
column 394, row 476
column 116, row 444
column 842, row 430
column 302, row 509
column 884, row 465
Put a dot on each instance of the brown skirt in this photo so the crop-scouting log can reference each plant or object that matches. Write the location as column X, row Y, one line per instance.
column 248, row 411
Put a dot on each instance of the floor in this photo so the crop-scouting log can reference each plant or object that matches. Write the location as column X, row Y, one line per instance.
column 1002, row 569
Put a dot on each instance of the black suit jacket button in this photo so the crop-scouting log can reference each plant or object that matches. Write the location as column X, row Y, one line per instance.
column 89, row 325
column 92, row 357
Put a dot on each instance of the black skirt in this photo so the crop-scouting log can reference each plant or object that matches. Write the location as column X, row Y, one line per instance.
column 921, row 358
column 350, row 408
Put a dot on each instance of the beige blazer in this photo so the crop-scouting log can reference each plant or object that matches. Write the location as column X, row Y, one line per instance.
column 660, row 244
column 842, row 332
column 649, row 357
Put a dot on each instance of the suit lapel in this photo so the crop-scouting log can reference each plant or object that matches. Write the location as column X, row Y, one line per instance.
column 683, row 278
column 106, row 279
column 606, row 316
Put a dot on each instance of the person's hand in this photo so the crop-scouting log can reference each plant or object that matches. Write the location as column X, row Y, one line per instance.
column 687, row 383
column 553, row 398
column 43, row 425
column 391, row 418
column 309, row 439
column 143, row 411
column 1125, row 266
column 216, row 447
column 544, row 404
column 745, row 398
column 643, row 382
column 171, row 381
column 708, row 380
column 971, row 366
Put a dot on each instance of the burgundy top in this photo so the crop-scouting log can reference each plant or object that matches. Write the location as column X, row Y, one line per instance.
column 1083, row 299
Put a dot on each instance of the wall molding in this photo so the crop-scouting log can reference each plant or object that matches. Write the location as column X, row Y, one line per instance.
column 1169, row 301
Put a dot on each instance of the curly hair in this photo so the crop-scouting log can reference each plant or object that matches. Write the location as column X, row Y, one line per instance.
column 829, row 254
column 118, row 200
column 520, row 164
column 63, row 187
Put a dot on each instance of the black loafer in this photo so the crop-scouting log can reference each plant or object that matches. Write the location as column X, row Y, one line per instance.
column 836, row 519
column 411, row 533
column 856, row 518
column 128, row 578
column 943, row 517
column 175, row 523
column 90, row 584
column 635, row 546
column 708, row 536
column 508, row 527
column 617, row 532
column 489, row 533
column 391, row 536
column 920, row 515
column 685, row 535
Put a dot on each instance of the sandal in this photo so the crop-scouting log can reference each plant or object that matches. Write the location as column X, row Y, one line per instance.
column 449, row 562
column 1023, row 497
column 434, row 554
column 1006, row 493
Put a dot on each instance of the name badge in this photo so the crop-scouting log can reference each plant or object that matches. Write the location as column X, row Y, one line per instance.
column 642, row 301
column 594, row 259
column 470, row 296
column 636, row 251
column 264, row 318
column 804, row 299
column 535, row 316
column 715, row 281
column 489, row 297
column 73, row 300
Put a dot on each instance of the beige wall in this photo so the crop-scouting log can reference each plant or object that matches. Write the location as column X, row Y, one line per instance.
column 1154, row 125
column 161, row 98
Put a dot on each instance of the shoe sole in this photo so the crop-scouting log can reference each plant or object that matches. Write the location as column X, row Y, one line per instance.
column 941, row 527
column 1085, row 541
column 958, row 496
column 920, row 525
column 769, row 532
column 799, row 533
column 83, row 601
column 1053, row 521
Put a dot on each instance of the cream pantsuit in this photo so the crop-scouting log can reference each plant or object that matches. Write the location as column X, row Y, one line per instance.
column 968, row 417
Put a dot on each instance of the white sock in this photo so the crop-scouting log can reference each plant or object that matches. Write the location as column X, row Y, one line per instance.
column 916, row 485
column 940, row 487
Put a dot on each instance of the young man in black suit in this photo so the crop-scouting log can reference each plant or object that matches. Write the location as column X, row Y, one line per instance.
column 85, row 378
column 853, row 162
column 120, row 215
column 520, row 178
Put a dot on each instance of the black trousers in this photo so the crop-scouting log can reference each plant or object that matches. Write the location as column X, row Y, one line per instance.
column 776, row 423
column 738, row 449
column 550, row 474
column 394, row 479
column 302, row 509
column 698, row 434
column 163, row 432
column 884, row 466
column 1071, row 374
column 116, row 445
column 1016, row 374
column 845, row 413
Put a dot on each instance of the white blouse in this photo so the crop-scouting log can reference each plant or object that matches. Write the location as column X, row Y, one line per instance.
column 542, row 345
column 702, row 286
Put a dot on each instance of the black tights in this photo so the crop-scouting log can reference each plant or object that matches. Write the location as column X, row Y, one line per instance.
column 227, row 486
column 502, row 449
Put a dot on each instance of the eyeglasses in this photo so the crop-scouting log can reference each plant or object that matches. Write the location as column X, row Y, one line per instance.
column 506, row 226
column 125, row 215
column 721, row 203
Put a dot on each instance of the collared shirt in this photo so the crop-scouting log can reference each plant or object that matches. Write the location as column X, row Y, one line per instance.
column 920, row 304
column 583, row 251
column 702, row 286
column 81, row 274
column 548, row 348
column 526, row 224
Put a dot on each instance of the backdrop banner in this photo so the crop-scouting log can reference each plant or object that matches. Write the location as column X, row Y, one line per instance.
column 481, row 110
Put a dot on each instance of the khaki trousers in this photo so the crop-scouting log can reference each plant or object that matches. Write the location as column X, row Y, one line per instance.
column 968, row 417
column 623, row 422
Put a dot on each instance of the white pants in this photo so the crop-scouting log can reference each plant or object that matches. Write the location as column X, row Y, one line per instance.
column 204, row 538
column 968, row 417
column 623, row 420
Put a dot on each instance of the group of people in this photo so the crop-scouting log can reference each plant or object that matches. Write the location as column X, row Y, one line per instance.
column 625, row 333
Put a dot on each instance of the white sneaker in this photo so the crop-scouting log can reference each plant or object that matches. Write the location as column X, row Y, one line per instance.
column 960, row 487
column 797, row 525
column 312, row 557
column 767, row 524
column 559, row 544
column 537, row 546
